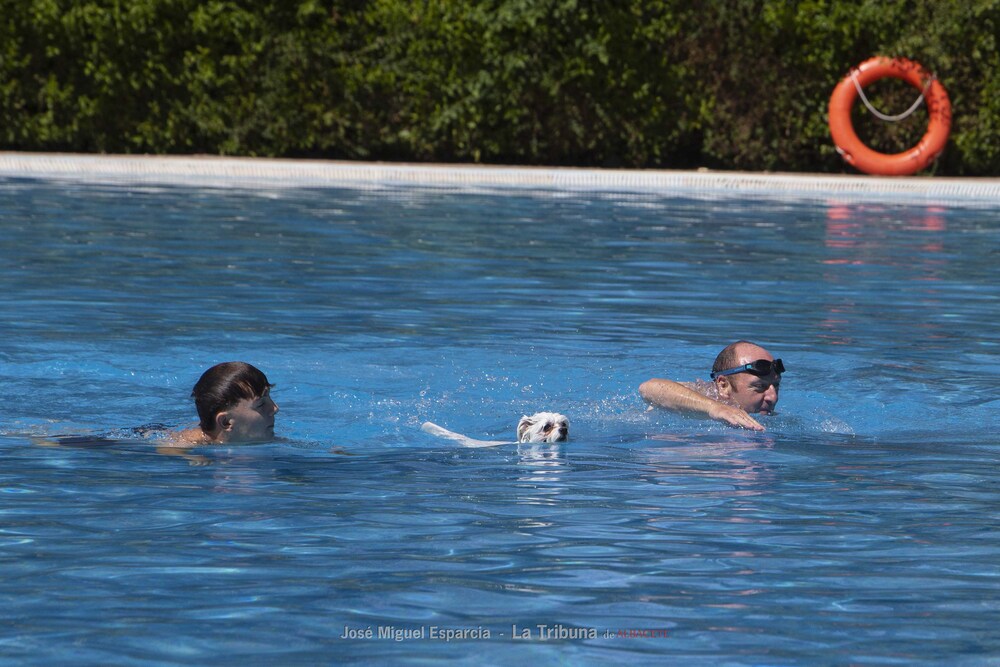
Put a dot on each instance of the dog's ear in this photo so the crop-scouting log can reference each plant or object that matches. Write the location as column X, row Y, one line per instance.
column 523, row 425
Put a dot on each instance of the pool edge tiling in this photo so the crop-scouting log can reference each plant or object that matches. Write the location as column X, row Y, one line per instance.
column 214, row 171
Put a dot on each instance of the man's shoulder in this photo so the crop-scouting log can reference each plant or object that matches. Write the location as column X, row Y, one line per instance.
column 704, row 388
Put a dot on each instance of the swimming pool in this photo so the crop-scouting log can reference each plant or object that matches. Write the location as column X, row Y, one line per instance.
column 860, row 527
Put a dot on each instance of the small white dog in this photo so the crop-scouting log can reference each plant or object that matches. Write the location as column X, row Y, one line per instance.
column 543, row 427
column 539, row 427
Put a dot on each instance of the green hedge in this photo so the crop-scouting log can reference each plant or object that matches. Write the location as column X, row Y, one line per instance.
column 730, row 84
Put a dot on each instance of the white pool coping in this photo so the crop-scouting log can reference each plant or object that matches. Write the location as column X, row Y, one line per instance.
column 214, row 171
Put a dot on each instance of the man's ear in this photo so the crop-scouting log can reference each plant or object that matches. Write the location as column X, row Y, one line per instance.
column 724, row 386
column 223, row 422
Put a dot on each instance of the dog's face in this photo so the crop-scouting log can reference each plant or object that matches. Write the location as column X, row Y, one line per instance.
column 543, row 427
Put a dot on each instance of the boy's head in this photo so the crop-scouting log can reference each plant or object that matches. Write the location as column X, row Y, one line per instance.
column 234, row 403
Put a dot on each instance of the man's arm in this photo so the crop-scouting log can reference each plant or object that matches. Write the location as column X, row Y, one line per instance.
column 675, row 396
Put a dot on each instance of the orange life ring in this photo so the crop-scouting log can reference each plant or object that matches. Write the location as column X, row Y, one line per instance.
column 865, row 159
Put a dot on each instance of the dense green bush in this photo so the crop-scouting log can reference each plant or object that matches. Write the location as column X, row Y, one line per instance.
column 733, row 84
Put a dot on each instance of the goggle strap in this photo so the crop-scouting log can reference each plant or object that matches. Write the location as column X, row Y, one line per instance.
column 776, row 366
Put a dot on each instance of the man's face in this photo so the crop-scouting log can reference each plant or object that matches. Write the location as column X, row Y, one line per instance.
column 251, row 420
column 752, row 393
column 755, row 394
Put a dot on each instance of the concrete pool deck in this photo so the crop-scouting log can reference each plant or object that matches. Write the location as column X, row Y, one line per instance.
column 215, row 171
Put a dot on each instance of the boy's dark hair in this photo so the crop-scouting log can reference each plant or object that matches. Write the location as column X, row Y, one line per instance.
column 224, row 385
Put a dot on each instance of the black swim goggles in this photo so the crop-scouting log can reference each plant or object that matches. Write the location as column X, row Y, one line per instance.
column 760, row 368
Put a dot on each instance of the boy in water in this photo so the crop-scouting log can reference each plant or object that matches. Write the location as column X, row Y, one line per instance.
column 234, row 406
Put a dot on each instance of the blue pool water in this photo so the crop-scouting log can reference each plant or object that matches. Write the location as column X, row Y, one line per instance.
column 860, row 527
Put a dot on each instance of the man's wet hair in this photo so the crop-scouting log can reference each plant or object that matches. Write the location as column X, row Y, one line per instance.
column 728, row 358
column 224, row 385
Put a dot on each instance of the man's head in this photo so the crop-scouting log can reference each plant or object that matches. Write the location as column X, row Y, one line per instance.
column 747, row 374
column 234, row 403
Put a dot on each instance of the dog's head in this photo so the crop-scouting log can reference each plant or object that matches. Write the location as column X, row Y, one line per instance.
column 543, row 427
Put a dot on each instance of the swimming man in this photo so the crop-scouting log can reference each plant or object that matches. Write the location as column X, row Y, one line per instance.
column 745, row 380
